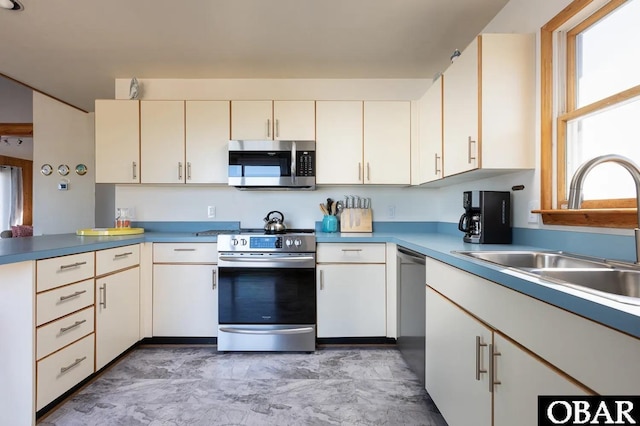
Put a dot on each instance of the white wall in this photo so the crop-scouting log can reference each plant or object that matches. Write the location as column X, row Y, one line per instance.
column 16, row 106
column 62, row 135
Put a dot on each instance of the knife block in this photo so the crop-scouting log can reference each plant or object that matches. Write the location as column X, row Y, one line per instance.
column 356, row 220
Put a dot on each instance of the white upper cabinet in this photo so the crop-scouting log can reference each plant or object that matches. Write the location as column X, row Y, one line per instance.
column 284, row 120
column 489, row 107
column 363, row 142
column 339, row 144
column 162, row 141
column 294, row 120
column 117, row 133
column 429, row 152
column 387, row 142
column 207, row 129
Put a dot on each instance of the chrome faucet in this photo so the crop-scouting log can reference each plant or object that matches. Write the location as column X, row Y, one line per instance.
column 575, row 189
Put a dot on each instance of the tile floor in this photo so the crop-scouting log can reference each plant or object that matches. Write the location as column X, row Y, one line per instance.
column 195, row 385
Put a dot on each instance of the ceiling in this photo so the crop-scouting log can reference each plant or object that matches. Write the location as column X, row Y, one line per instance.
column 74, row 50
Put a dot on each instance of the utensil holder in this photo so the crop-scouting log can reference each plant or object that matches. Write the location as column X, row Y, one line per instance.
column 329, row 223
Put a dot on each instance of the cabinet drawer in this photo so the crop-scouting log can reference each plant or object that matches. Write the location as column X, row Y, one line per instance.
column 117, row 258
column 55, row 335
column 185, row 253
column 351, row 253
column 62, row 301
column 57, row 271
column 59, row 372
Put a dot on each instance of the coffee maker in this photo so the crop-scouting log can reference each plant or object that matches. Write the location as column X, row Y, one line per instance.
column 486, row 218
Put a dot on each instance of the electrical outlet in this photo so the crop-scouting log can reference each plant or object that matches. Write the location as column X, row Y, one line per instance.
column 211, row 212
column 532, row 217
column 391, row 212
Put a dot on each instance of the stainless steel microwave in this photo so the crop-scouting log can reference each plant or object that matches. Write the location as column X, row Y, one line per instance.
column 265, row 164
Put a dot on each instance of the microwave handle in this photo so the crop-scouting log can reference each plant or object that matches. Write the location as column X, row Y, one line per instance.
column 294, row 156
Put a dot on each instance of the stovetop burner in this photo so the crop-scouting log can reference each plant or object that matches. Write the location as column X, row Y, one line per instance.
column 251, row 231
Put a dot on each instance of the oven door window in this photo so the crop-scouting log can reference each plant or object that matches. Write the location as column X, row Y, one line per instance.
column 266, row 296
column 260, row 164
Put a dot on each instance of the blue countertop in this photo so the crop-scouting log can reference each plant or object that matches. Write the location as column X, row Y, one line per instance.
column 622, row 317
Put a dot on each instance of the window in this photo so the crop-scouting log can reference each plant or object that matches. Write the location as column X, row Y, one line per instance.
column 590, row 107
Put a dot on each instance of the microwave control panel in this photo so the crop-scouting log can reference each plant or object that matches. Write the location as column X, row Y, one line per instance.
column 306, row 163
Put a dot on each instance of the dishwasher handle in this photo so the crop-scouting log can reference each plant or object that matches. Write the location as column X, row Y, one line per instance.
column 411, row 256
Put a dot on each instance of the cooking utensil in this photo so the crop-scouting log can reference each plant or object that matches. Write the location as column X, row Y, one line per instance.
column 324, row 210
column 274, row 225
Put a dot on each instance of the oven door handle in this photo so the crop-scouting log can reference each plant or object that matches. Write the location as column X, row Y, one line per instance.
column 300, row 330
column 266, row 259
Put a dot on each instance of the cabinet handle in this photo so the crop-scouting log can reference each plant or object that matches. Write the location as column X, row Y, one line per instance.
column 321, row 279
column 213, row 279
column 351, row 249
column 478, row 353
column 134, row 169
column 184, row 249
column 188, row 170
column 437, row 158
column 117, row 256
column 72, row 265
column 359, row 172
column 368, row 172
column 492, row 379
column 70, row 366
column 179, row 170
column 76, row 324
column 268, row 127
column 469, row 146
column 103, row 296
column 277, row 128
column 77, row 293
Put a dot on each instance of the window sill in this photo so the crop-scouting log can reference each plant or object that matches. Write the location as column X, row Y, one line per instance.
column 603, row 218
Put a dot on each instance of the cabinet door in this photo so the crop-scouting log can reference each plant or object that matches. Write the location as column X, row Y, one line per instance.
column 351, row 300
column 430, row 134
column 207, row 138
column 452, row 359
column 461, row 94
column 162, row 141
column 294, row 120
column 522, row 378
column 387, row 142
column 117, row 314
column 185, row 300
column 251, row 120
column 117, row 135
column 339, row 142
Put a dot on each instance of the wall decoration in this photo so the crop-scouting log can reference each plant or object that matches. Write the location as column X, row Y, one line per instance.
column 63, row 169
column 81, row 169
column 46, row 169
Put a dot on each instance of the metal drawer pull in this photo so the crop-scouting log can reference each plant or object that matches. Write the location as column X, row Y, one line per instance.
column 301, row 330
column 213, row 279
column 73, row 265
column 351, row 249
column 188, row 170
column 359, row 172
column 277, row 128
column 77, row 293
column 437, row 158
column 76, row 362
column 184, row 249
column 129, row 253
column 268, row 128
column 321, row 279
column 492, row 367
column 134, row 169
column 77, row 323
column 179, row 170
column 478, row 368
column 103, row 300
column 469, row 156
column 368, row 172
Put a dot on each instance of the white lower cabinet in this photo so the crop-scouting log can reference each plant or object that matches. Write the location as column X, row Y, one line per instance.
column 185, row 290
column 351, row 290
column 185, row 301
column 470, row 365
column 117, row 314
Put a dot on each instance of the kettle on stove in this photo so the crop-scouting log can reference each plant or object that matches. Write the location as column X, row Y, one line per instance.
column 274, row 225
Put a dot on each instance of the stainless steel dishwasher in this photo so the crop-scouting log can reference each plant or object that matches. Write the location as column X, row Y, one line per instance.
column 411, row 309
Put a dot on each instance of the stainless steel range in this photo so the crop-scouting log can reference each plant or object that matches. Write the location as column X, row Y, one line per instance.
column 267, row 291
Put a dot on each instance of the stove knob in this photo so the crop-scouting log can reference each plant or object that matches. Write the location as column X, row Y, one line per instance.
column 288, row 242
column 234, row 242
column 244, row 242
column 297, row 242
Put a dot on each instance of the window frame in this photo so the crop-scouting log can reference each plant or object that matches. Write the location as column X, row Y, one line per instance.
column 619, row 213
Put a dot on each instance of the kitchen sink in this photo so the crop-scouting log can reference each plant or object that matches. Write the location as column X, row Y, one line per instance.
column 614, row 280
column 616, row 284
column 535, row 259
